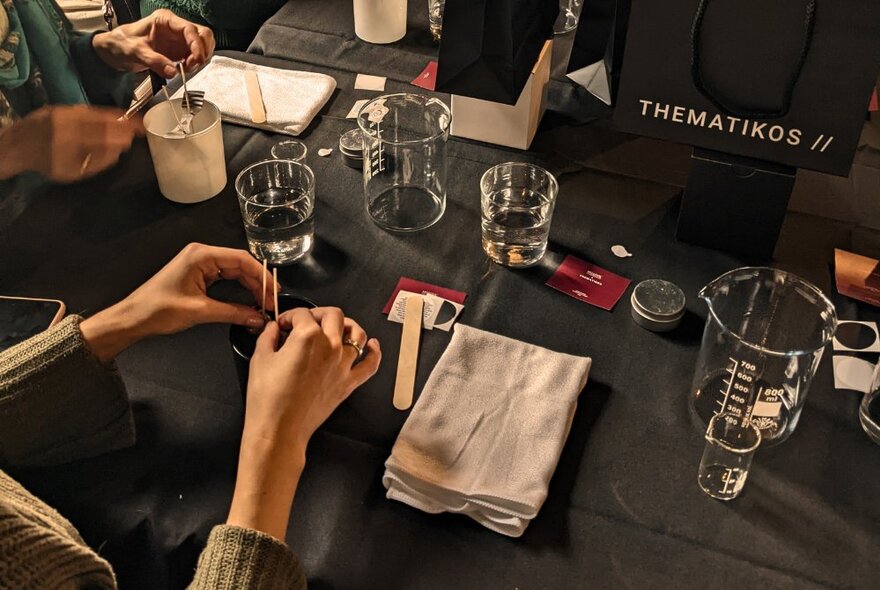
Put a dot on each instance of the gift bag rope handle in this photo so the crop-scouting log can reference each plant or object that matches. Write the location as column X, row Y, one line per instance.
column 728, row 109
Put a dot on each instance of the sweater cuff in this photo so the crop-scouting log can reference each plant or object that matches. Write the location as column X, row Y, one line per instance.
column 104, row 85
column 58, row 402
column 246, row 559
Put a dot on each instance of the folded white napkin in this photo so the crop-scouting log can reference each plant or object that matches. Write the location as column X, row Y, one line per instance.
column 291, row 98
column 485, row 435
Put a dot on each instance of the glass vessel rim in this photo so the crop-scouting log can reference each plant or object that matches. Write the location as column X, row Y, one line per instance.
column 554, row 184
column 249, row 199
column 820, row 296
column 428, row 100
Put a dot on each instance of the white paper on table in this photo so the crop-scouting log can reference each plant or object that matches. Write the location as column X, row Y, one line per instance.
column 852, row 373
column 353, row 113
column 367, row 82
column 429, row 310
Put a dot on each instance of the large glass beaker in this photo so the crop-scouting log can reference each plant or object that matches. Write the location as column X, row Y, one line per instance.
column 764, row 338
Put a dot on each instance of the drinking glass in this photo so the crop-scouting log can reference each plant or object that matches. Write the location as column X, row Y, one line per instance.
column 404, row 144
column 277, row 200
column 731, row 442
column 435, row 17
column 517, row 207
column 289, row 149
column 190, row 167
column 568, row 18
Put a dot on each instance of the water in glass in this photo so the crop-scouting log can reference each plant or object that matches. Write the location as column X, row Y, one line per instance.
column 284, row 233
column 516, row 234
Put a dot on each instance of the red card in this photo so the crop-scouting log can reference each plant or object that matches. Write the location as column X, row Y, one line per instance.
column 588, row 283
column 414, row 286
column 428, row 78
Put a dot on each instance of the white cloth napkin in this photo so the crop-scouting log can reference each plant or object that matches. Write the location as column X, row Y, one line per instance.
column 485, row 436
column 291, row 98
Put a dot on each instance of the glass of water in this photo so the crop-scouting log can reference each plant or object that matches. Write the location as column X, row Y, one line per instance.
column 517, row 205
column 435, row 17
column 404, row 145
column 731, row 442
column 277, row 200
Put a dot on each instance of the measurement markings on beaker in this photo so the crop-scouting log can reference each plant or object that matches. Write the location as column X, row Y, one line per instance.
column 737, row 388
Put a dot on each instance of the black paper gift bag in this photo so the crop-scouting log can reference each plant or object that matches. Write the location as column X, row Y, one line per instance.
column 489, row 47
column 786, row 81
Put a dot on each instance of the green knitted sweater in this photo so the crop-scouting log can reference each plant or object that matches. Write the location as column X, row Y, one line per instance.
column 234, row 22
column 59, row 403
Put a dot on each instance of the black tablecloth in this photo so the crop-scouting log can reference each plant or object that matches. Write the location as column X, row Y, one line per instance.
column 624, row 508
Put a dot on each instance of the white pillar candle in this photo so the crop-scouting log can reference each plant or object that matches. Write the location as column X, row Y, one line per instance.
column 380, row 21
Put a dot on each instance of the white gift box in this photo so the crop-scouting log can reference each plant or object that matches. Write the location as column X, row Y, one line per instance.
column 503, row 124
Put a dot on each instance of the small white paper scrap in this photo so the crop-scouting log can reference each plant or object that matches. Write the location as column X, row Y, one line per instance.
column 353, row 113
column 620, row 251
column 324, row 152
column 447, row 313
column 366, row 82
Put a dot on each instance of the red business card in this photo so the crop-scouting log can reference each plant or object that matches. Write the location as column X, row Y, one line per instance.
column 588, row 283
column 414, row 286
column 428, row 78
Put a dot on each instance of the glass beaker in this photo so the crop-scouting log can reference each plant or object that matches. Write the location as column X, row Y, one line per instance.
column 731, row 442
column 764, row 338
column 404, row 143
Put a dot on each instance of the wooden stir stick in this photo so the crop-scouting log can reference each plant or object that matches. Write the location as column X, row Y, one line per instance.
column 409, row 353
column 275, row 291
column 255, row 97
column 263, row 300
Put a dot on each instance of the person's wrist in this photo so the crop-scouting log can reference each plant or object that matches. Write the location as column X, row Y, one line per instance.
column 102, row 45
column 109, row 332
column 268, row 475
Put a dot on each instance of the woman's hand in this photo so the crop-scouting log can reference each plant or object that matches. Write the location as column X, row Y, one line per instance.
column 66, row 143
column 293, row 388
column 155, row 42
column 176, row 299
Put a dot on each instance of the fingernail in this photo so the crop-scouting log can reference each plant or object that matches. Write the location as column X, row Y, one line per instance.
column 170, row 72
column 255, row 322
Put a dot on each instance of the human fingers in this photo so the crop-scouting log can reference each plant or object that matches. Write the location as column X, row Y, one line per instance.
column 150, row 59
column 332, row 322
column 364, row 370
column 220, row 312
column 267, row 342
column 205, row 42
column 356, row 339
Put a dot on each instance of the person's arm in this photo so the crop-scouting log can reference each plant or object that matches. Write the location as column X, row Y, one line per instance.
column 58, row 402
column 293, row 388
column 61, row 397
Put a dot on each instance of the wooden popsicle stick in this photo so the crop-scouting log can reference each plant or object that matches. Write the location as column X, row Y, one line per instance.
column 255, row 97
column 275, row 291
column 409, row 353
column 263, row 300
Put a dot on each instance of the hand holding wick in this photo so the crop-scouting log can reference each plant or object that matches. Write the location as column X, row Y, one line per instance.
column 176, row 298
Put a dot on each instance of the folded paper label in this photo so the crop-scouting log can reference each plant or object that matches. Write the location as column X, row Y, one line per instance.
column 436, row 313
column 414, row 286
column 588, row 283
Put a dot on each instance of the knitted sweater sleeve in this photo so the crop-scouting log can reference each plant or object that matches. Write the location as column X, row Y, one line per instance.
column 58, row 402
column 245, row 559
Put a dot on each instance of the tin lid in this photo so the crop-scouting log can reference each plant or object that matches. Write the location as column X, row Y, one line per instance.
column 659, row 300
column 351, row 144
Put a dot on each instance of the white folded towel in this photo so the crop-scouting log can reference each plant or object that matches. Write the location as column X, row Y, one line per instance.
column 485, row 436
column 292, row 98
